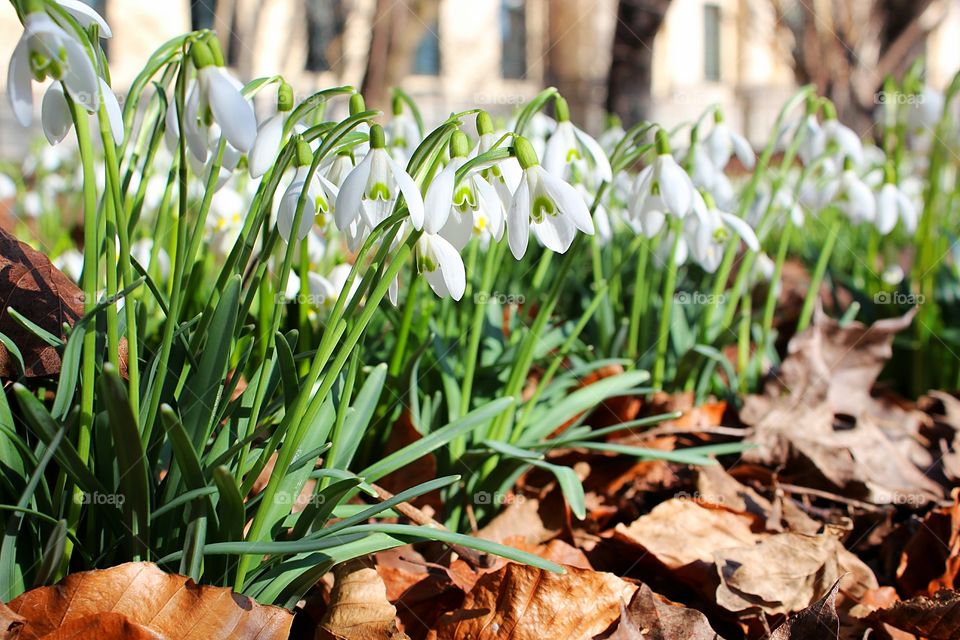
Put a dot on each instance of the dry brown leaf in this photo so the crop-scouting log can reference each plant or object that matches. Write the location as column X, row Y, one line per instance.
column 521, row 518
column 10, row 623
column 103, row 626
column 819, row 621
column 817, row 417
column 936, row 618
column 170, row 605
column 650, row 616
column 359, row 609
column 31, row 285
column 526, row 603
column 930, row 560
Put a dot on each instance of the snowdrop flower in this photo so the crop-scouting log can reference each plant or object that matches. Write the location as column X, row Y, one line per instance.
column 892, row 205
column 324, row 291
column 32, row 206
column 402, row 132
column 854, row 198
column 573, row 155
column 457, row 211
column 46, row 50
column 662, row 187
column 216, row 98
column 504, row 176
column 613, row 134
column 8, row 187
column 441, row 265
column 708, row 232
column 373, row 187
column 546, row 203
column 141, row 250
column 270, row 134
column 924, row 111
column 319, row 193
column 57, row 120
column 227, row 211
column 85, row 16
column 722, row 142
column 337, row 169
column 71, row 263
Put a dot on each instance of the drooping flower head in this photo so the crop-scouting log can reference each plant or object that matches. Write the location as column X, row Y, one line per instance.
column 316, row 203
column 505, row 175
column 723, row 142
column 270, row 133
column 545, row 203
column 894, row 205
column 662, row 188
column 47, row 50
column 372, row 188
column 572, row 155
column 458, row 211
column 403, row 134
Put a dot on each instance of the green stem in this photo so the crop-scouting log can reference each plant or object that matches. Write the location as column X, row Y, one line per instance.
column 669, row 288
column 813, row 293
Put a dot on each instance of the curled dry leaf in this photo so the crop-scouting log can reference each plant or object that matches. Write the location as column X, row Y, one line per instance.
column 171, row 606
column 931, row 558
column 521, row 602
column 10, row 623
column 936, row 618
column 650, row 616
column 819, row 621
column 817, row 417
column 359, row 609
column 31, row 285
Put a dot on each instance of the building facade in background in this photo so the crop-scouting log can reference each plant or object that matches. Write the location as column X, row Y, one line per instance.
column 490, row 53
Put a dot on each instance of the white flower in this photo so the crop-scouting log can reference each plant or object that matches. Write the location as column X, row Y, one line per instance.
column 441, row 265
column 70, row 262
column 46, row 49
column 267, row 145
column 892, row 205
column 573, row 155
column 338, row 168
column 855, row 199
column 662, row 187
column 8, row 187
column 504, row 176
column 85, row 16
column 373, row 187
column 56, row 118
column 708, row 232
column 456, row 211
column 320, row 192
column 722, row 142
column 220, row 91
column 403, row 135
column 546, row 203
column 324, row 291
column 225, row 221
column 924, row 111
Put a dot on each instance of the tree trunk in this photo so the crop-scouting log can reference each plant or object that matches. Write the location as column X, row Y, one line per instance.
column 631, row 70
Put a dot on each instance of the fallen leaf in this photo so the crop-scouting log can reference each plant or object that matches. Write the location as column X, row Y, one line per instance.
column 521, row 602
column 936, row 618
column 522, row 518
column 358, row 607
column 172, row 606
column 103, row 625
column 31, row 285
column 930, row 560
column 845, row 443
column 10, row 623
column 819, row 621
column 652, row 617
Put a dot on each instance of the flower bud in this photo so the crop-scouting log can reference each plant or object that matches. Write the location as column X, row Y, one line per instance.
column 484, row 123
column 562, row 109
column 377, row 138
column 525, row 153
column 663, row 142
column 357, row 104
column 459, row 145
column 304, row 153
column 284, row 97
column 396, row 104
column 201, row 55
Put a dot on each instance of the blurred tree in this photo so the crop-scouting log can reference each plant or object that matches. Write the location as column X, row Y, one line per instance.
column 397, row 33
column 847, row 48
column 631, row 68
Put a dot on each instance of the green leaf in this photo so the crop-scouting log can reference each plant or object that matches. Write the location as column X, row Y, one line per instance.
column 358, row 420
column 570, row 485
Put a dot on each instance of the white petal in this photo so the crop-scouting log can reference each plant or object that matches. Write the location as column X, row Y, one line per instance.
column 287, row 211
column 450, row 266
column 743, row 150
column 518, row 221
column 267, row 145
column 555, row 232
column 55, row 114
column 742, row 229
column 86, row 16
column 675, row 186
column 230, row 109
column 79, row 76
column 569, row 202
column 347, row 208
column 491, row 205
column 197, row 137
column 19, row 87
column 114, row 113
column 558, row 146
column 439, row 198
column 599, row 156
column 718, row 145
column 908, row 212
column 410, row 191
column 886, row 209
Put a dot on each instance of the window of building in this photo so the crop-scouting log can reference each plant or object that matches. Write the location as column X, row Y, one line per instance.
column 513, row 39
column 326, row 21
column 426, row 58
column 711, row 42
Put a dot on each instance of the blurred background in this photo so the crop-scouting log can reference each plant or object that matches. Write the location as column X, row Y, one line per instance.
column 664, row 60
